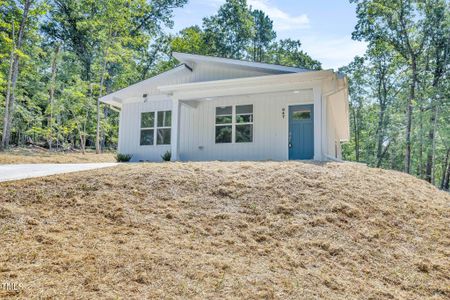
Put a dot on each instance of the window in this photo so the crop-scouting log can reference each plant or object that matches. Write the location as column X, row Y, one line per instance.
column 234, row 125
column 147, row 128
column 301, row 115
column 244, row 124
column 224, row 124
column 163, row 128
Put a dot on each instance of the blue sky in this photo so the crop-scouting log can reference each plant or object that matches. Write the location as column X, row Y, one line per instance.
column 323, row 26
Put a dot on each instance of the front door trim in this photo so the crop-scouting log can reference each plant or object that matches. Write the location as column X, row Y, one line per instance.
column 311, row 107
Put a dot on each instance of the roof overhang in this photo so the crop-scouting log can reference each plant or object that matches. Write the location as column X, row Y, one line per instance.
column 244, row 86
column 116, row 99
column 192, row 59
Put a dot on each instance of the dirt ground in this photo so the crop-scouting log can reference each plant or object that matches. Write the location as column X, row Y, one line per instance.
column 226, row 230
column 37, row 156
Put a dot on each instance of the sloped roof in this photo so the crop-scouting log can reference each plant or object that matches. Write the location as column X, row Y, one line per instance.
column 195, row 58
column 187, row 61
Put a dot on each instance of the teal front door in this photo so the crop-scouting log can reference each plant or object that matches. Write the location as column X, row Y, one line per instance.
column 301, row 131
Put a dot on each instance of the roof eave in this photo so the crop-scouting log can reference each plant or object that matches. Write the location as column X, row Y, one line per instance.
column 189, row 58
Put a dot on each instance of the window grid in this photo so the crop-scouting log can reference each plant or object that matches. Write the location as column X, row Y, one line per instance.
column 221, row 121
column 147, row 132
column 234, row 115
column 248, row 123
column 166, row 115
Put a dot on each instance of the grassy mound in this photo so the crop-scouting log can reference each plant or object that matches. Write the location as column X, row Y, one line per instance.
column 226, row 230
column 33, row 155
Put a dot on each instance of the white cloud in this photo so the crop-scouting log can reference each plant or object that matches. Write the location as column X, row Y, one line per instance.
column 333, row 52
column 281, row 20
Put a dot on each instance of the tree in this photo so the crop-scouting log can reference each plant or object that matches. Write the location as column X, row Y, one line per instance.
column 403, row 25
column 190, row 40
column 263, row 35
column 357, row 72
column 13, row 75
column 229, row 33
column 439, row 62
column 288, row 52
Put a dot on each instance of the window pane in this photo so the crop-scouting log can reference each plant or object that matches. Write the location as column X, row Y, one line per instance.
column 244, row 109
column 224, row 110
column 164, row 118
column 244, row 133
column 163, row 136
column 223, row 134
column 147, row 120
column 244, row 118
column 146, row 137
column 301, row 115
column 224, row 119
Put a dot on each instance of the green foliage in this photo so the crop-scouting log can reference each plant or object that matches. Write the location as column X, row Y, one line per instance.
column 190, row 40
column 288, row 53
column 114, row 40
column 228, row 34
column 263, row 35
column 120, row 157
column 237, row 31
column 166, row 156
column 399, row 91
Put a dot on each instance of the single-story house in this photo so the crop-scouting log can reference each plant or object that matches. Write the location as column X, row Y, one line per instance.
column 211, row 108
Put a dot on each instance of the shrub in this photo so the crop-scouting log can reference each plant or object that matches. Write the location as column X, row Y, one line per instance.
column 120, row 157
column 166, row 156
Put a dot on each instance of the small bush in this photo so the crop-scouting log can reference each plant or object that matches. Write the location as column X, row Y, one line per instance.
column 166, row 156
column 123, row 157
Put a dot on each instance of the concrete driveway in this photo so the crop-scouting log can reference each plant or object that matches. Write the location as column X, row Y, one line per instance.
column 22, row 171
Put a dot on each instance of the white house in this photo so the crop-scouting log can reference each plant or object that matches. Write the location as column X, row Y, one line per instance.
column 211, row 108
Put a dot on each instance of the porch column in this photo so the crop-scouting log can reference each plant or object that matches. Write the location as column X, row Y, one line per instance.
column 317, row 91
column 174, row 140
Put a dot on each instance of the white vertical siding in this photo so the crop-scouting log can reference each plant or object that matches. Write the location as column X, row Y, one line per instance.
column 197, row 125
column 130, row 130
column 270, row 129
column 202, row 72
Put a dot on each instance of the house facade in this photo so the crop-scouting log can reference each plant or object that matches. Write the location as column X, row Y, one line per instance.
column 210, row 108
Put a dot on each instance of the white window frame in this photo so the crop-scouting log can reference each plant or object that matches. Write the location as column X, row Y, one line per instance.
column 224, row 125
column 147, row 128
column 234, row 123
column 162, row 127
column 245, row 123
column 154, row 128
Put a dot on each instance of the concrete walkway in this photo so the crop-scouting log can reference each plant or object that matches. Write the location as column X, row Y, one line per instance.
column 22, row 171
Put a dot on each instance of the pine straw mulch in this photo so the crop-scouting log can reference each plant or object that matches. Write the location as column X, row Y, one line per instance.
column 38, row 155
column 226, row 230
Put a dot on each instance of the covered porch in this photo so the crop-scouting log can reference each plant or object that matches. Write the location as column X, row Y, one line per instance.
column 271, row 96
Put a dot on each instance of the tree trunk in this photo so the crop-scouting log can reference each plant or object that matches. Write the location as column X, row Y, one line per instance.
column 409, row 112
column 420, row 166
column 15, row 72
column 445, row 182
column 52, row 95
column 382, row 101
column 82, row 142
column 429, row 175
column 380, row 136
column 8, row 90
column 102, row 79
column 356, row 130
